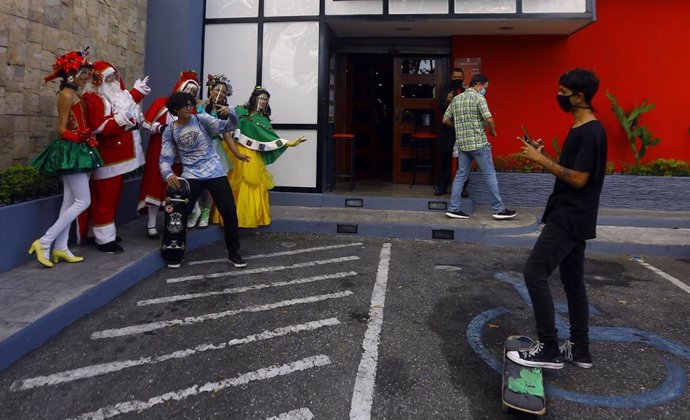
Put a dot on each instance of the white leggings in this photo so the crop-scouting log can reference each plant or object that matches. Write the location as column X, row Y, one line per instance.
column 76, row 198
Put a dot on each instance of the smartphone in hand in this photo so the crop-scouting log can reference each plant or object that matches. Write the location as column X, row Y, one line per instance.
column 528, row 138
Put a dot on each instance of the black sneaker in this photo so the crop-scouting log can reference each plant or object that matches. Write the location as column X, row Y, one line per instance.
column 505, row 214
column 174, row 265
column 577, row 355
column 110, row 248
column 236, row 260
column 535, row 356
column 457, row 214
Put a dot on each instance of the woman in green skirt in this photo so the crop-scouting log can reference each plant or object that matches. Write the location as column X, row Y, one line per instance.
column 72, row 155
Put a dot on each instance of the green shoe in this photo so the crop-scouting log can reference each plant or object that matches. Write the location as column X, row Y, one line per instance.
column 203, row 220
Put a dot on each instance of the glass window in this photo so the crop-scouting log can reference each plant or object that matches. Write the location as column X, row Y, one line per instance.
column 297, row 166
column 417, row 91
column 231, row 8
column 485, row 6
column 291, row 69
column 354, row 7
column 291, row 8
column 418, row 66
column 417, row 6
column 554, row 6
column 224, row 47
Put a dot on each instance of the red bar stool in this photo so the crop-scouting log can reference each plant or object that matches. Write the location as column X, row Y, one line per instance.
column 420, row 141
column 343, row 142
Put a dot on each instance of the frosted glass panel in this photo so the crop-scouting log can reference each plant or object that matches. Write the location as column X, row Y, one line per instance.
column 231, row 8
column 290, row 70
column 297, row 166
column 554, row 6
column 225, row 47
column 291, row 8
column 360, row 7
column 485, row 6
column 400, row 7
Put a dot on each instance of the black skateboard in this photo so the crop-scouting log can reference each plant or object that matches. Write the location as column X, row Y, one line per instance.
column 523, row 386
column 175, row 223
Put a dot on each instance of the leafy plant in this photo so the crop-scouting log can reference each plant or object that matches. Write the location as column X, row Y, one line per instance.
column 632, row 130
column 660, row 167
column 516, row 162
column 21, row 183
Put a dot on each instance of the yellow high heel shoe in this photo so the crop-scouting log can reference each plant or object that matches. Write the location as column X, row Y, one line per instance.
column 38, row 249
column 61, row 254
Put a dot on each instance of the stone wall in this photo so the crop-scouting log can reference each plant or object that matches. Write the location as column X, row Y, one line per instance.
column 31, row 33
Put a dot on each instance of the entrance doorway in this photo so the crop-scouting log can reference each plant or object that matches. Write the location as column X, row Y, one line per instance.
column 383, row 99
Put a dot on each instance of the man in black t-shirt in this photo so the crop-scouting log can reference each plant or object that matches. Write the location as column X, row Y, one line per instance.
column 570, row 219
column 446, row 135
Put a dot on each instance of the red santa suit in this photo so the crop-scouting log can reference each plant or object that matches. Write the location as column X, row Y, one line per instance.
column 113, row 119
column 152, row 192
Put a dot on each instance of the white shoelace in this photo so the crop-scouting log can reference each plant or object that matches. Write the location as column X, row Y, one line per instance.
column 567, row 350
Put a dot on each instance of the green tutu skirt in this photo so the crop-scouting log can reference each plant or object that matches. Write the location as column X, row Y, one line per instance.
column 63, row 157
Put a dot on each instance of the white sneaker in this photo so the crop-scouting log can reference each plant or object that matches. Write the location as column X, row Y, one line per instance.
column 192, row 218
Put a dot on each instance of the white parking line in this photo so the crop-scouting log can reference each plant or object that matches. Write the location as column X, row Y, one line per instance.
column 363, row 393
column 234, row 290
column 192, row 391
column 190, row 320
column 105, row 368
column 684, row 287
column 262, row 269
column 299, row 414
column 280, row 254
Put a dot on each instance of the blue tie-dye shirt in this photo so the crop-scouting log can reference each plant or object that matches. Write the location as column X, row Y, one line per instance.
column 192, row 142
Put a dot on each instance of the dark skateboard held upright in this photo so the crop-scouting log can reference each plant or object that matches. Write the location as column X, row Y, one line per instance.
column 523, row 387
column 175, row 223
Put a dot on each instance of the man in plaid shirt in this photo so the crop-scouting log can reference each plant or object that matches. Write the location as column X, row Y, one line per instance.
column 469, row 114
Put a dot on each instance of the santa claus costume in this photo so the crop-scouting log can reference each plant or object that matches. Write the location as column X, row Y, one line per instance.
column 152, row 192
column 114, row 116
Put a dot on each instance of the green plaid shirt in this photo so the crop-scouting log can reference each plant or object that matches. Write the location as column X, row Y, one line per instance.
column 468, row 111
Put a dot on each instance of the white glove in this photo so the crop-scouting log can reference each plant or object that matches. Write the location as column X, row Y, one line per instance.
column 142, row 85
column 152, row 128
column 122, row 120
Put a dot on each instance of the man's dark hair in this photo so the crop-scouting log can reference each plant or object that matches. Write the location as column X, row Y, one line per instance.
column 179, row 100
column 478, row 78
column 458, row 69
column 581, row 80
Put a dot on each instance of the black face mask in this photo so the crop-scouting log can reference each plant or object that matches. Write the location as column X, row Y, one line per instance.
column 456, row 84
column 564, row 102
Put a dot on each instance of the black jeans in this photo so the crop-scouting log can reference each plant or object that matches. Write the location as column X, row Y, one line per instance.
column 556, row 248
column 222, row 196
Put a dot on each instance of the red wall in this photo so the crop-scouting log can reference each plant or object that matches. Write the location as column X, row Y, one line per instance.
column 639, row 52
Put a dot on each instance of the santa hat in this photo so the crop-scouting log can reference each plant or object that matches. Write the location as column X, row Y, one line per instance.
column 103, row 69
column 71, row 62
column 187, row 78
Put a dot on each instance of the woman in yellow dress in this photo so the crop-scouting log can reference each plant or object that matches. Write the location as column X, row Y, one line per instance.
column 250, row 180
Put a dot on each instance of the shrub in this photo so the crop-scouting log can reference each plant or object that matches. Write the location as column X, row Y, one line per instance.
column 659, row 167
column 22, row 183
column 516, row 162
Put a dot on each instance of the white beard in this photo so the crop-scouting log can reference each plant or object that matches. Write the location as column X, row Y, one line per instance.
column 121, row 101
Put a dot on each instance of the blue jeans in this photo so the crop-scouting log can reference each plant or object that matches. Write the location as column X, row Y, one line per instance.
column 486, row 165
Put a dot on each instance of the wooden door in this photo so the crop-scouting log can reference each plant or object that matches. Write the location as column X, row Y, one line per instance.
column 417, row 82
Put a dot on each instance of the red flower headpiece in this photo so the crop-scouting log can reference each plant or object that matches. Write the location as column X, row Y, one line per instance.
column 68, row 63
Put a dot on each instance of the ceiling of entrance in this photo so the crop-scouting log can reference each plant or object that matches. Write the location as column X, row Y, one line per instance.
column 352, row 28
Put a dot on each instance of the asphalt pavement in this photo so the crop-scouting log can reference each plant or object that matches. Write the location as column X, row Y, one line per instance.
column 444, row 275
